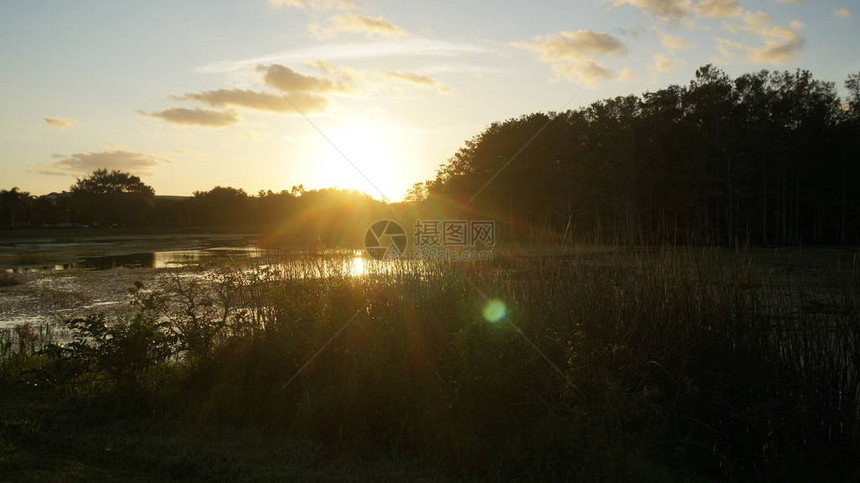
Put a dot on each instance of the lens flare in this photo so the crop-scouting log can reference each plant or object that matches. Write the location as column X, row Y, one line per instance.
column 495, row 310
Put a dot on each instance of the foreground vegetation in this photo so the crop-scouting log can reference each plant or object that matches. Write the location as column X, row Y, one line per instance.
column 653, row 366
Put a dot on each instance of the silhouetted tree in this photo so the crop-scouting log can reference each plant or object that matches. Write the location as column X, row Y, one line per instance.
column 111, row 197
column 764, row 158
column 13, row 206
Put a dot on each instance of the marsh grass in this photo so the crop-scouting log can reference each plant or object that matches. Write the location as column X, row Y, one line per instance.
column 650, row 364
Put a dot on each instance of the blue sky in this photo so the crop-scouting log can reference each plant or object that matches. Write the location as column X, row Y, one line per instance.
column 194, row 94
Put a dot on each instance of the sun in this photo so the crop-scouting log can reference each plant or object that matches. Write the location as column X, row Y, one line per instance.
column 364, row 156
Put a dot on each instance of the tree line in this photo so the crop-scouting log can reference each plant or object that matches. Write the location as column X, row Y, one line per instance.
column 767, row 157
column 115, row 198
column 764, row 158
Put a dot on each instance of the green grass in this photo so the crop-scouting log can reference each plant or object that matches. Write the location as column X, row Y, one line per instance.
column 646, row 365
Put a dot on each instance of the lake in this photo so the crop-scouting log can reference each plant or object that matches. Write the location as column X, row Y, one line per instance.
column 61, row 279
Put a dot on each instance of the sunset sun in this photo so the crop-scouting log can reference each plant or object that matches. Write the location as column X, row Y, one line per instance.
column 368, row 157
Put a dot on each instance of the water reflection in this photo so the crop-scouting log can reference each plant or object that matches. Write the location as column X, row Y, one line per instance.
column 155, row 259
column 297, row 263
column 357, row 266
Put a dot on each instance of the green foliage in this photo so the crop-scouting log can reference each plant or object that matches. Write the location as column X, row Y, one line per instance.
column 199, row 312
column 120, row 352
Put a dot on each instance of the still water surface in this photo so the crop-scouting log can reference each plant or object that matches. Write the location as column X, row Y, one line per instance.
column 85, row 284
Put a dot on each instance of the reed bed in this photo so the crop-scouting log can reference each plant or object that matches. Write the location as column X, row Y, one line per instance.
column 660, row 364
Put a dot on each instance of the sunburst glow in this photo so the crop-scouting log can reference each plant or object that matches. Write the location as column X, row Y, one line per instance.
column 363, row 150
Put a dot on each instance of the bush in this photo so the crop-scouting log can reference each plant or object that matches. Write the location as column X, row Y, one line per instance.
column 119, row 352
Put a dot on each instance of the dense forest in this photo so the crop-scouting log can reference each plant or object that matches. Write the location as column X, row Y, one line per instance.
column 765, row 158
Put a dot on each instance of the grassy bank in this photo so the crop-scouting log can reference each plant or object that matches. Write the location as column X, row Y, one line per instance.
column 646, row 366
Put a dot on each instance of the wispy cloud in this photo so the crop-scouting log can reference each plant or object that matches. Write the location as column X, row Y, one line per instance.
column 779, row 44
column 85, row 162
column 573, row 45
column 586, row 72
column 571, row 54
column 626, row 74
column 665, row 10
column 407, row 48
column 196, row 117
column 661, row 63
column 316, row 4
column 673, row 11
column 344, row 74
column 672, row 42
column 60, row 123
column 359, row 24
column 416, row 80
column 718, row 9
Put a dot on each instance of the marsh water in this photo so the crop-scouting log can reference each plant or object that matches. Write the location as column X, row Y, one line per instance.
column 52, row 279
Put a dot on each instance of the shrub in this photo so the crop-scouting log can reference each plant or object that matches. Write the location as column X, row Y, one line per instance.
column 120, row 352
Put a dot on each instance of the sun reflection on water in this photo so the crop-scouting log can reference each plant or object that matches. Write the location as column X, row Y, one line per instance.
column 357, row 265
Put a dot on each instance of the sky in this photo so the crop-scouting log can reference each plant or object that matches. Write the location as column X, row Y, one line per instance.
column 362, row 94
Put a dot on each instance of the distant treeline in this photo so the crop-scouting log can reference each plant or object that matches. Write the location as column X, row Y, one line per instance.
column 764, row 158
column 105, row 198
